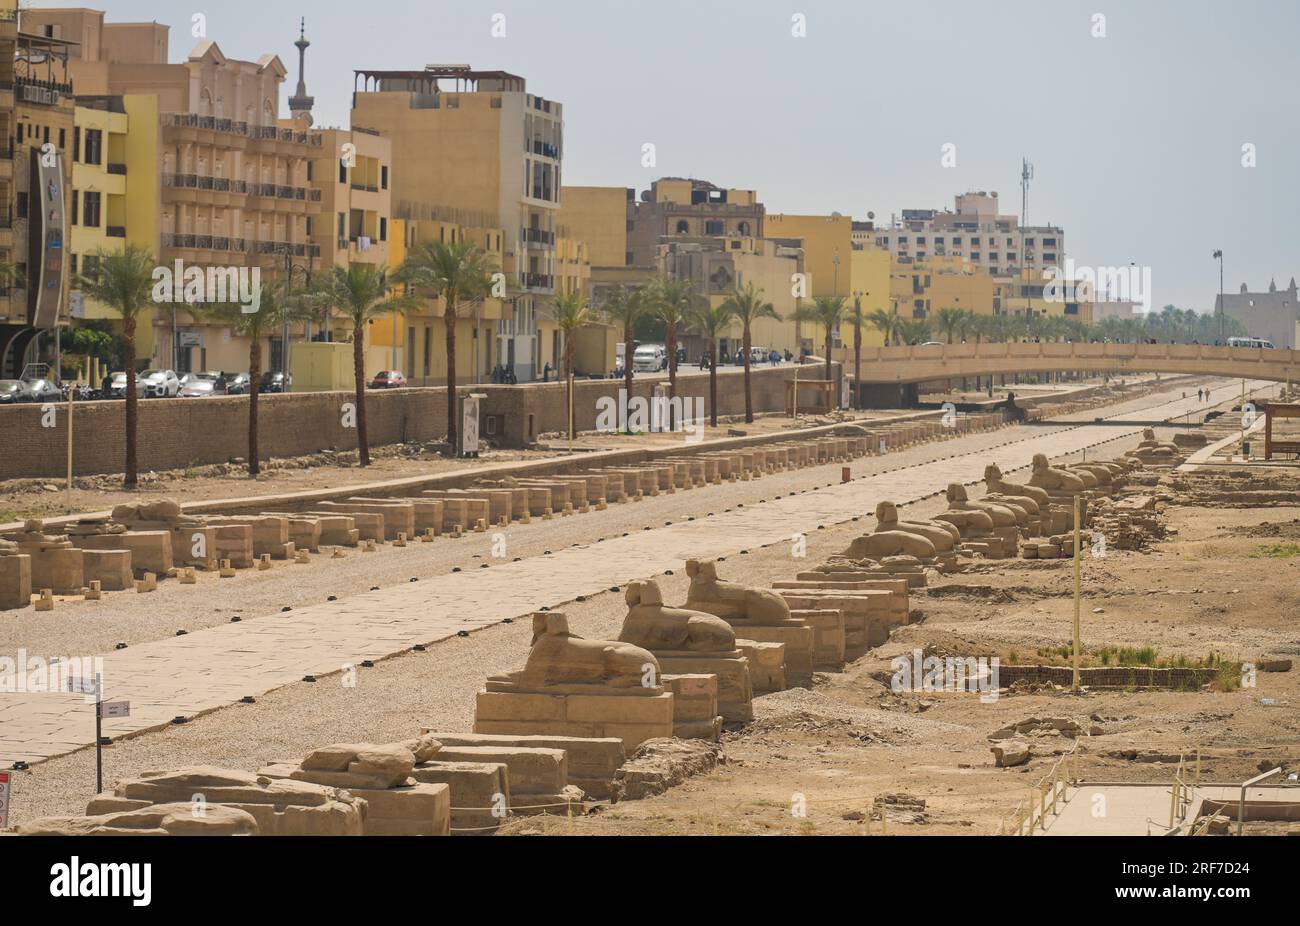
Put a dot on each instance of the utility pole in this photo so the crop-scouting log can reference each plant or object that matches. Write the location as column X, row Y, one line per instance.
column 1223, row 308
column 1078, row 586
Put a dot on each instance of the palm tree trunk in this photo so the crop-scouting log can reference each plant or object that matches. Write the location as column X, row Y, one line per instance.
column 254, row 380
column 672, row 372
column 713, row 380
column 829, row 337
column 568, row 378
column 627, row 367
column 857, row 364
column 359, row 374
column 449, row 322
column 131, row 476
column 749, row 395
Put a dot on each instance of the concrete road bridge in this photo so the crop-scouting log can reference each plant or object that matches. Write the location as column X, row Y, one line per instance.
column 903, row 365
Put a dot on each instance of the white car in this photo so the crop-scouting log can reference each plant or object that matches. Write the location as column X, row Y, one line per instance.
column 159, row 384
column 649, row 358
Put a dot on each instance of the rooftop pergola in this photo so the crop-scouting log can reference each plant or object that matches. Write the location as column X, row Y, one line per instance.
column 466, row 79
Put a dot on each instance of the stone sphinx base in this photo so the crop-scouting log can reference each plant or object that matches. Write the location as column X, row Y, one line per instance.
column 827, row 623
column 633, row 715
column 593, row 763
column 796, row 637
column 15, row 581
column 735, row 688
column 695, row 706
column 766, row 665
column 479, row 793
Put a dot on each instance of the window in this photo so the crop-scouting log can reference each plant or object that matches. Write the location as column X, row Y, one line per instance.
column 383, row 177
column 343, row 226
column 713, row 227
column 956, row 240
column 90, row 209
column 76, row 195
column 938, row 241
column 974, row 242
column 628, row 259
column 72, row 263
column 63, row 138
column 22, row 205
column 20, row 131
column 310, row 165
column 343, row 172
column 683, row 227
column 94, row 146
column 383, row 228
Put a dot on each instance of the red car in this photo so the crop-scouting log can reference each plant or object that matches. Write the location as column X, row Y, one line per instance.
column 388, row 379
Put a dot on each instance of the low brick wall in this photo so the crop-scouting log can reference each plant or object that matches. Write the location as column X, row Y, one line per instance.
column 1108, row 676
column 175, row 433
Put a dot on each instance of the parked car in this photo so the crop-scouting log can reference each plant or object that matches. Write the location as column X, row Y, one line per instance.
column 160, row 384
column 237, row 384
column 650, row 358
column 12, row 391
column 932, row 344
column 388, row 379
column 759, row 355
column 275, row 382
column 202, row 385
column 42, row 390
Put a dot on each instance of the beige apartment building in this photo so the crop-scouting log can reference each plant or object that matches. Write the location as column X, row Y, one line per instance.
column 974, row 231
column 216, row 180
column 478, row 144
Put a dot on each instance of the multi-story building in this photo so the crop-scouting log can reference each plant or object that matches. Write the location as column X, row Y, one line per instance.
column 624, row 231
column 215, row 179
column 477, row 142
column 1273, row 314
column 36, row 114
column 976, row 232
column 415, row 341
column 353, row 175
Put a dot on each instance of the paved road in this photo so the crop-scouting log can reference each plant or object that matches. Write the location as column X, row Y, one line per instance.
column 203, row 671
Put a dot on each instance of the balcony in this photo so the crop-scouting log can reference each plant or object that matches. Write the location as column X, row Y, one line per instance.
column 537, row 236
column 236, row 127
column 538, row 281
column 115, row 231
column 239, row 245
column 545, row 149
column 118, row 169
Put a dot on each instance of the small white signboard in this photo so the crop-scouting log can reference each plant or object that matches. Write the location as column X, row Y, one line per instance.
column 117, row 709
column 80, row 685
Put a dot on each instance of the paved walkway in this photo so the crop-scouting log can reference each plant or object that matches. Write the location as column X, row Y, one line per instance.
column 1142, row 809
column 189, row 675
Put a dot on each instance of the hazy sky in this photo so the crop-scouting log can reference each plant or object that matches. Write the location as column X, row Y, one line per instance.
column 1136, row 137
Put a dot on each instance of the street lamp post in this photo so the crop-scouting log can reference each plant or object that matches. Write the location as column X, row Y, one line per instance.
column 1223, row 309
column 289, row 269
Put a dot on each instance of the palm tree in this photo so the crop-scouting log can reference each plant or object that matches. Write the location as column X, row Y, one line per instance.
column 672, row 302
column 124, row 283
column 362, row 292
column 913, row 330
column 887, row 323
column 748, row 306
column 949, row 321
column 273, row 310
column 458, row 270
column 857, row 321
column 625, row 307
column 827, row 311
column 10, row 274
column 711, row 321
column 570, row 312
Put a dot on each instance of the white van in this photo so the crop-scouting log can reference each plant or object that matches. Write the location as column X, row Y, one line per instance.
column 649, row 358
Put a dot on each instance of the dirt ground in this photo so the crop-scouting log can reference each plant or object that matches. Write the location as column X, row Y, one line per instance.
column 1220, row 583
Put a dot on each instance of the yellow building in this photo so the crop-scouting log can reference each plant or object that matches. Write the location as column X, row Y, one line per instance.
column 352, row 174
column 477, row 144
column 598, row 216
column 919, row 289
column 414, row 342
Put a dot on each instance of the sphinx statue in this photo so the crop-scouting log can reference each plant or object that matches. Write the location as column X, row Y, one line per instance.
column 730, row 601
column 652, row 625
column 560, row 659
column 1052, row 519
column 940, row 533
column 1155, row 452
column 981, row 520
column 1057, row 482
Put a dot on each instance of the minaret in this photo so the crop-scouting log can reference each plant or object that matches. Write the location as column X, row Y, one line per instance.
column 300, row 103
